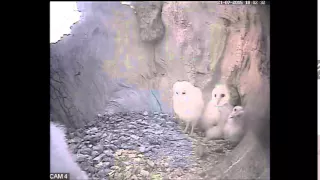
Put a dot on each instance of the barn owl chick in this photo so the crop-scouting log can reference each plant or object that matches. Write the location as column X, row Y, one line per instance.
column 218, row 108
column 187, row 103
column 61, row 160
column 234, row 128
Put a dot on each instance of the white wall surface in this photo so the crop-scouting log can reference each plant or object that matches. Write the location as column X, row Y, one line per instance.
column 62, row 16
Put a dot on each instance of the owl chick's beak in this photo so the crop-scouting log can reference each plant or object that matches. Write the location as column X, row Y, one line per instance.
column 219, row 99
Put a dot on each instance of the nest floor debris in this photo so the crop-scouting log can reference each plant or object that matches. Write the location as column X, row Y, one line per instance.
column 143, row 145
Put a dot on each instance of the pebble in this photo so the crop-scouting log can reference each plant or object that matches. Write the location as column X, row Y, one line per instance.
column 142, row 149
column 135, row 137
column 94, row 154
column 150, row 163
column 144, row 173
column 98, row 158
column 81, row 157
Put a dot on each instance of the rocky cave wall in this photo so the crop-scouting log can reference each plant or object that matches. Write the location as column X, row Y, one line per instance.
column 124, row 59
column 120, row 59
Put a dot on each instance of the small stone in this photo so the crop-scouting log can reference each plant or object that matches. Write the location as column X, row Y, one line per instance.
column 131, row 126
column 166, row 164
column 98, row 158
column 107, row 164
column 103, row 172
column 127, row 175
column 123, row 139
column 111, row 147
column 91, row 169
column 94, row 154
column 93, row 130
column 98, row 148
column 99, row 165
column 118, row 153
column 134, row 177
column 164, row 116
column 81, row 157
column 134, row 137
column 108, row 153
column 115, row 167
column 100, row 124
column 85, row 151
column 119, row 120
column 145, row 113
column 104, row 135
column 118, row 175
column 132, row 155
column 149, row 149
column 219, row 150
column 90, row 145
column 135, row 170
column 155, row 141
column 99, row 115
column 155, row 113
column 71, row 139
column 170, row 123
column 142, row 149
column 150, row 163
column 156, row 176
column 144, row 173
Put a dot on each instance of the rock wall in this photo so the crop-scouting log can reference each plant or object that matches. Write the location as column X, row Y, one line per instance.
column 102, row 65
column 119, row 58
column 124, row 59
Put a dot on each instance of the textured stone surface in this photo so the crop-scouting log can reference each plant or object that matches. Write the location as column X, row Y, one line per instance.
column 113, row 146
column 149, row 20
column 105, row 66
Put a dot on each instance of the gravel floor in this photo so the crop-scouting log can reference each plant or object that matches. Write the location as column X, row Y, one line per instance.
column 142, row 145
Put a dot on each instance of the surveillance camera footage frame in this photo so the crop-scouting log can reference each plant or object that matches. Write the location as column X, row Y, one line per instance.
column 281, row 37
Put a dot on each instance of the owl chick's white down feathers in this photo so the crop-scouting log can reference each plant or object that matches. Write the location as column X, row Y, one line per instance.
column 187, row 103
column 234, row 127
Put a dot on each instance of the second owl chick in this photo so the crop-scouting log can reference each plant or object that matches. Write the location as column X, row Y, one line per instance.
column 217, row 112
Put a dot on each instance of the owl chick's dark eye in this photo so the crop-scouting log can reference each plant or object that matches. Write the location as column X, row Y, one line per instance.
column 215, row 95
column 183, row 92
column 235, row 109
column 222, row 95
column 177, row 93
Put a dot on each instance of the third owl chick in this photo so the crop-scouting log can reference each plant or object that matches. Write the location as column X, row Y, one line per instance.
column 234, row 128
